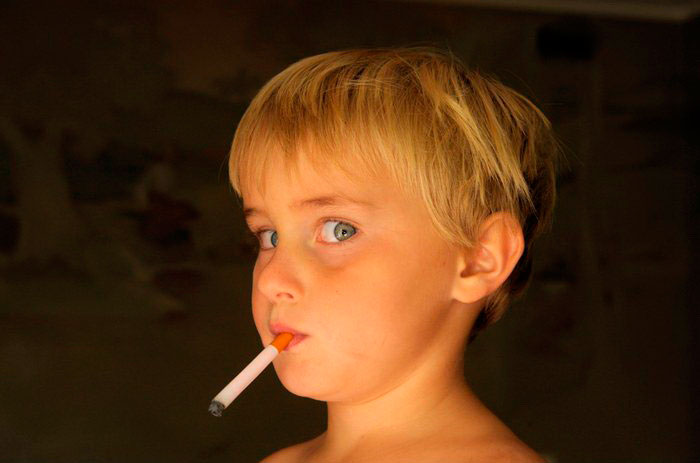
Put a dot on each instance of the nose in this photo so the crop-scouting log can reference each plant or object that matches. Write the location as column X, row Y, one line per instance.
column 279, row 277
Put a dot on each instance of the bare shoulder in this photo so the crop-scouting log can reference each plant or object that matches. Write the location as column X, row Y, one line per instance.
column 505, row 450
column 491, row 449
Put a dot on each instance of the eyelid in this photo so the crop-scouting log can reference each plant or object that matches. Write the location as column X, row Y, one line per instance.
column 258, row 231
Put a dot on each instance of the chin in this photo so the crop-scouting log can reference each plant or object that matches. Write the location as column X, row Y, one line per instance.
column 290, row 380
column 296, row 380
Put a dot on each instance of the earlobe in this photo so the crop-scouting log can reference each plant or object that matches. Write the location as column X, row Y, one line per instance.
column 483, row 269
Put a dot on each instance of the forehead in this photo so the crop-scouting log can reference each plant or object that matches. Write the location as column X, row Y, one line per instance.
column 303, row 177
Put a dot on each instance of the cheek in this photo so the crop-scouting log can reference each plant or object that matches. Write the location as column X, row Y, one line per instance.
column 364, row 301
column 260, row 315
column 392, row 291
column 261, row 324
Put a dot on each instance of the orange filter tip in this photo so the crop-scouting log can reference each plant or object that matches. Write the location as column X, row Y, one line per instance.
column 282, row 340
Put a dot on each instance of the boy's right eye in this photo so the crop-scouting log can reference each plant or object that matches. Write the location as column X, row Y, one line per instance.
column 260, row 235
column 254, row 240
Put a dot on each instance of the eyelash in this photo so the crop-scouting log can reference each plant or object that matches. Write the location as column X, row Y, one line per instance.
column 255, row 234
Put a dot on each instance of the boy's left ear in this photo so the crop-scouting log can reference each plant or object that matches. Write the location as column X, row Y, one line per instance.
column 483, row 269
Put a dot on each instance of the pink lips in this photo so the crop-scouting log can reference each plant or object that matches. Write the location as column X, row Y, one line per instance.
column 277, row 328
column 296, row 340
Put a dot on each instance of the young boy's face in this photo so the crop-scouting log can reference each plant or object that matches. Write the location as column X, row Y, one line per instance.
column 369, row 285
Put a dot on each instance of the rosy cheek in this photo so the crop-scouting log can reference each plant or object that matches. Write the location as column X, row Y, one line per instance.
column 257, row 306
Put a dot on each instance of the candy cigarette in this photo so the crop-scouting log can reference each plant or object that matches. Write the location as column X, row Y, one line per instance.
column 249, row 373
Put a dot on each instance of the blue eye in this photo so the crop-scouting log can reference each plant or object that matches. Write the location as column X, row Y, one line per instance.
column 341, row 232
column 260, row 234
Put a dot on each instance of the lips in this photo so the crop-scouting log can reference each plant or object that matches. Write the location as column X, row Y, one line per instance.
column 277, row 328
column 296, row 340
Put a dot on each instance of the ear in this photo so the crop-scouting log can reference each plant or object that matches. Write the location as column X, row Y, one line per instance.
column 482, row 270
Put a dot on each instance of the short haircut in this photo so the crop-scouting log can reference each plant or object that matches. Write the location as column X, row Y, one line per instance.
column 458, row 139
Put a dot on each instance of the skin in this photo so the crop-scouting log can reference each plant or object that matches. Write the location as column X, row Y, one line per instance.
column 387, row 315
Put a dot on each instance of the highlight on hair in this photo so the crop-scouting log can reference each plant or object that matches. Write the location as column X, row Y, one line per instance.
column 461, row 141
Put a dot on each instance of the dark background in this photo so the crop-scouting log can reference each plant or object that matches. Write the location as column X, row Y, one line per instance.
column 125, row 275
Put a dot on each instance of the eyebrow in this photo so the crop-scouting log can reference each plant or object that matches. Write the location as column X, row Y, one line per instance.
column 318, row 202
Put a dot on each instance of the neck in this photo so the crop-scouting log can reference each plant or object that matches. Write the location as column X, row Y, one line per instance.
column 430, row 403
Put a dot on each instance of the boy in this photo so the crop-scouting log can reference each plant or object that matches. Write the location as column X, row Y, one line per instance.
column 395, row 196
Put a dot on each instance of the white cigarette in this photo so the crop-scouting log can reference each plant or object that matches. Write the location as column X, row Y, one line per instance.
column 249, row 373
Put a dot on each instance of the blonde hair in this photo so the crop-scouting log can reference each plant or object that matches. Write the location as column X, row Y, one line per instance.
column 466, row 144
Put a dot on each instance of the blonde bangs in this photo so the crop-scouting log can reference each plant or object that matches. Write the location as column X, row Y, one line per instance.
column 339, row 120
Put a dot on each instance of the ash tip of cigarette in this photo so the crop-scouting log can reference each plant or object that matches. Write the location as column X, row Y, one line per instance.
column 216, row 407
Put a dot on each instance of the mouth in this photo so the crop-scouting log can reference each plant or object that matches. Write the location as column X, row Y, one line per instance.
column 277, row 328
column 295, row 340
